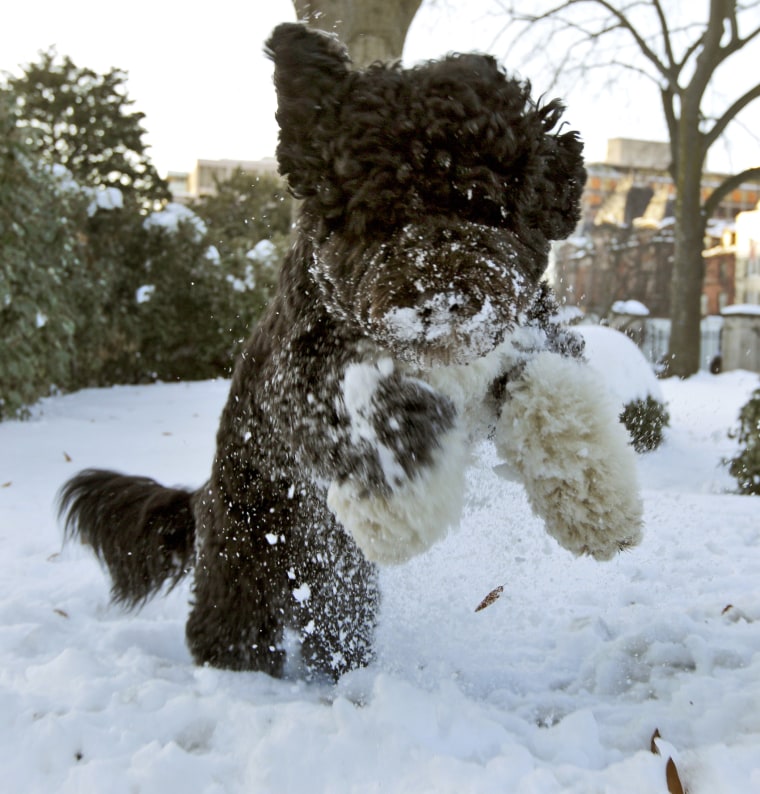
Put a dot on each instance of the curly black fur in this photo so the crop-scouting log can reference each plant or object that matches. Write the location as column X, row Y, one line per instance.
column 143, row 532
column 432, row 193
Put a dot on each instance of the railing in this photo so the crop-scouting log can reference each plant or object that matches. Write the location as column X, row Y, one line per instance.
column 656, row 336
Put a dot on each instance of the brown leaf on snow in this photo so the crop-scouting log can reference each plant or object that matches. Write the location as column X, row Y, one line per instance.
column 672, row 778
column 62, row 612
column 490, row 598
column 727, row 608
column 67, row 457
column 6, row 484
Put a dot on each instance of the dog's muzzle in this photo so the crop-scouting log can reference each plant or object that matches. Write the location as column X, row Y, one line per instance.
column 446, row 293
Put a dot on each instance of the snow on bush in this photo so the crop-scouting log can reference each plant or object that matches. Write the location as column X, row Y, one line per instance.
column 634, row 308
column 213, row 256
column 104, row 198
column 101, row 197
column 741, row 308
column 263, row 258
column 170, row 218
column 265, row 252
column 145, row 293
column 631, row 380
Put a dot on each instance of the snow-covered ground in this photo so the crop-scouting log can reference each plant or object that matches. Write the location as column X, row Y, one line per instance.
column 557, row 686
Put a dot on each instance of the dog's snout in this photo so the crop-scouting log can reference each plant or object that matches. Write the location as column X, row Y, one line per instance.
column 440, row 307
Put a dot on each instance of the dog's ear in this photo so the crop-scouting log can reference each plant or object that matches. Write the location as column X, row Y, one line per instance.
column 564, row 176
column 309, row 68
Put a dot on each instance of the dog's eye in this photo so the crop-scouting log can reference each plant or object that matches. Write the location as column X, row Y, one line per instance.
column 404, row 173
column 443, row 159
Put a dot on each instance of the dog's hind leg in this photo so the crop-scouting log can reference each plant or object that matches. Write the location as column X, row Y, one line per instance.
column 337, row 594
column 241, row 594
column 278, row 562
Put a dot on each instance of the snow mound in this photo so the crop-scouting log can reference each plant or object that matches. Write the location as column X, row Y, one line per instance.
column 556, row 687
column 620, row 364
column 635, row 308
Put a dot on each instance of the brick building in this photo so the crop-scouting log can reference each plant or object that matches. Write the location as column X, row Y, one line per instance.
column 202, row 180
column 623, row 247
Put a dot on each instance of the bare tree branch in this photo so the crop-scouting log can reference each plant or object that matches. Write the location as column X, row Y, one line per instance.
column 730, row 114
column 736, row 44
column 665, row 32
column 727, row 186
column 623, row 22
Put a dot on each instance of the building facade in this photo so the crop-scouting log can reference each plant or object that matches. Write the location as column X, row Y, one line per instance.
column 748, row 257
column 623, row 246
column 206, row 174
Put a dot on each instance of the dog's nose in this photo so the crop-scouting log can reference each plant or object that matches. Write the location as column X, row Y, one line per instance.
column 439, row 307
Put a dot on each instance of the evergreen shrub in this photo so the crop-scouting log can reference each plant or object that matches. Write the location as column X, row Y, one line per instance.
column 744, row 467
column 645, row 421
column 41, row 273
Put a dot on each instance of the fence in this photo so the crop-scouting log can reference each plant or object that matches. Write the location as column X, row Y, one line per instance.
column 655, row 336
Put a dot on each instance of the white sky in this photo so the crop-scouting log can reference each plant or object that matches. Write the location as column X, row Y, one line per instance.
column 199, row 74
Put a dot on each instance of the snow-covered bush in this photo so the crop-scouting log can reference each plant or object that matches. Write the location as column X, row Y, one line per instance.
column 92, row 290
column 190, row 318
column 41, row 273
column 745, row 465
column 173, row 216
column 249, row 218
column 629, row 377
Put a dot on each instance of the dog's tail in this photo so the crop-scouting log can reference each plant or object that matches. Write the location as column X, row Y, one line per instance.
column 143, row 532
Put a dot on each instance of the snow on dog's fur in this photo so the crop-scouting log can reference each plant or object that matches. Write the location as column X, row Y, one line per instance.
column 410, row 318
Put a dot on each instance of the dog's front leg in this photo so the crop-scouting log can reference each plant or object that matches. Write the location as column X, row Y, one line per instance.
column 562, row 435
column 403, row 484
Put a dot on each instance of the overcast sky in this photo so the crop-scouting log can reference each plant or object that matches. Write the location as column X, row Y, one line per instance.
column 198, row 73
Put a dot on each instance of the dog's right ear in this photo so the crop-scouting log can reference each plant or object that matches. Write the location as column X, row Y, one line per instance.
column 309, row 67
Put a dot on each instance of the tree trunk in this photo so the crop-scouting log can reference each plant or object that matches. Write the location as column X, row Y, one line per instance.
column 373, row 30
column 688, row 264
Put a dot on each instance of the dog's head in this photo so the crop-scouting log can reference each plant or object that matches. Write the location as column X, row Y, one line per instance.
column 430, row 194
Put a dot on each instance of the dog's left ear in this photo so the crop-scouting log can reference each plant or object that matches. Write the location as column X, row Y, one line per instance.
column 309, row 68
column 564, row 176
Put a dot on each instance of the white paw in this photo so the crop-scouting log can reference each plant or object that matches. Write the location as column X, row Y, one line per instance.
column 561, row 432
column 417, row 513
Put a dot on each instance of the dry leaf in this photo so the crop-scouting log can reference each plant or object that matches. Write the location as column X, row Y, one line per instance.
column 490, row 598
column 61, row 612
column 166, row 433
column 67, row 457
column 672, row 778
column 727, row 608
column 6, row 484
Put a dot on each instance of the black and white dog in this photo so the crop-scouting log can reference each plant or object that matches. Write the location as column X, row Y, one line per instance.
column 410, row 319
